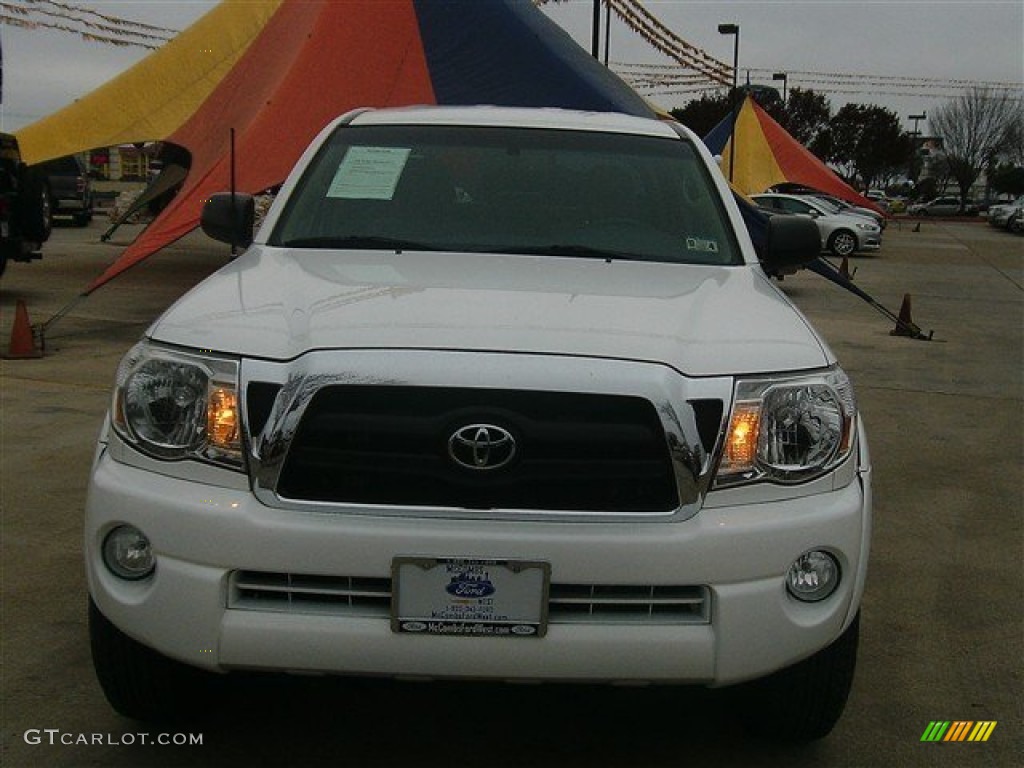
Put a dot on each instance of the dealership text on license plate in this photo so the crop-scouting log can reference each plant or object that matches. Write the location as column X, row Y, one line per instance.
column 469, row 597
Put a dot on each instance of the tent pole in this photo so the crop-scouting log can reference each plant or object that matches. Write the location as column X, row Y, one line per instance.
column 607, row 30
column 234, row 203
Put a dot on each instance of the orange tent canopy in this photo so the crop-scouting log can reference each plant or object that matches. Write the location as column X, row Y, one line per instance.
column 312, row 60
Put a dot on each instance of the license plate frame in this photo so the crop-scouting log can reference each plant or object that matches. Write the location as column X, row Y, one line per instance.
column 469, row 597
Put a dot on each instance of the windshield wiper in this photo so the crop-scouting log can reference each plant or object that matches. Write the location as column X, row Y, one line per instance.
column 575, row 251
column 370, row 242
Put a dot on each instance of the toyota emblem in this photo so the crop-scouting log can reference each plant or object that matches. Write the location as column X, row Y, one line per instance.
column 481, row 447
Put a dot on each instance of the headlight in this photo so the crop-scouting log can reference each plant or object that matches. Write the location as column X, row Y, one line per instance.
column 868, row 227
column 176, row 405
column 788, row 430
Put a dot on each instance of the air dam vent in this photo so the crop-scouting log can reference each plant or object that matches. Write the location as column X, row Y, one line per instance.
column 371, row 598
column 294, row 593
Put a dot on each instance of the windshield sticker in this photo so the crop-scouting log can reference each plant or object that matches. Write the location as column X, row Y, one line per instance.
column 369, row 173
column 702, row 245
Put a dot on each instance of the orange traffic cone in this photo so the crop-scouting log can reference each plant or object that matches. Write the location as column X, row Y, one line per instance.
column 23, row 343
column 905, row 325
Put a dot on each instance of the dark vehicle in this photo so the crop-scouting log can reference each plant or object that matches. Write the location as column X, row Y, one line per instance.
column 25, row 215
column 69, row 188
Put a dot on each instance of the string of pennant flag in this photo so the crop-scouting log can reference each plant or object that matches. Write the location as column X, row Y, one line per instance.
column 667, row 79
column 642, row 22
column 694, row 70
column 90, row 25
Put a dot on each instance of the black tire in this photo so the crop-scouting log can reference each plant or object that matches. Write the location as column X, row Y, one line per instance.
column 81, row 219
column 842, row 242
column 140, row 683
column 804, row 702
column 34, row 209
column 3, row 262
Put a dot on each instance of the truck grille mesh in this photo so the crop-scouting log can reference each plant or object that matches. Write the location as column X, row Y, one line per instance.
column 371, row 598
column 389, row 445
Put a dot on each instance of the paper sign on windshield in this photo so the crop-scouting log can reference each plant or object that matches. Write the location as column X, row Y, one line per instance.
column 369, row 173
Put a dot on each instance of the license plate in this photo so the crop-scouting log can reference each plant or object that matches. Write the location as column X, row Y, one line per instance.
column 473, row 598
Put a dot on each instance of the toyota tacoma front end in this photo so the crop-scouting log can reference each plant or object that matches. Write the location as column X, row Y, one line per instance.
column 492, row 394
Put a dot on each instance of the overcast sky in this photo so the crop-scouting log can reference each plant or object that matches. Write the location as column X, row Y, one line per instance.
column 980, row 40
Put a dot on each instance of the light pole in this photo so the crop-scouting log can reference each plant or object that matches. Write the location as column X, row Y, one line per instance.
column 917, row 119
column 913, row 171
column 785, row 80
column 595, row 31
column 733, row 29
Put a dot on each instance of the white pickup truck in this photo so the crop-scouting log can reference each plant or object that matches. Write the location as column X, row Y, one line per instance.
column 492, row 394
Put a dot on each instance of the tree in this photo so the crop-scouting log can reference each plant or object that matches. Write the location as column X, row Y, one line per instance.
column 767, row 97
column 867, row 142
column 807, row 116
column 1014, row 149
column 804, row 114
column 703, row 114
column 1008, row 179
column 976, row 128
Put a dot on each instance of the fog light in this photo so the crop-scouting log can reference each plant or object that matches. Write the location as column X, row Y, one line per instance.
column 813, row 576
column 126, row 552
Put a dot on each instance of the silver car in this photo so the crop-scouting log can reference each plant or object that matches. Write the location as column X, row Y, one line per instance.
column 1003, row 215
column 948, row 205
column 855, row 210
column 841, row 233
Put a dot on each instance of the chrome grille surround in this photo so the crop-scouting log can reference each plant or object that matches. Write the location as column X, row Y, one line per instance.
column 667, row 390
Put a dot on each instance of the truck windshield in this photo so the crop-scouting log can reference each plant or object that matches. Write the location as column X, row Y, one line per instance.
column 509, row 190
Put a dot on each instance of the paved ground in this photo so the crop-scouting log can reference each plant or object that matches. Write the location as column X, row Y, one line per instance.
column 943, row 628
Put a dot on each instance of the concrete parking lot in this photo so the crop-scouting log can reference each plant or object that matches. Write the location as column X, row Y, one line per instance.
column 943, row 622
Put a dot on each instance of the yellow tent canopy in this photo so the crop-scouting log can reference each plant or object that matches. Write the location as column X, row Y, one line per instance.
column 151, row 100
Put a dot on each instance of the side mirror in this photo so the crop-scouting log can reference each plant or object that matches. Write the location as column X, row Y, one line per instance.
column 229, row 218
column 790, row 243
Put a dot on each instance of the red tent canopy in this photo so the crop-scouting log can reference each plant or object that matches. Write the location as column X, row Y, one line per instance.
column 316, row 59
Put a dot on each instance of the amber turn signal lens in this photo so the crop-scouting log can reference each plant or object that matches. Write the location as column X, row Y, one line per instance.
column 741, row 444
column 222, row 419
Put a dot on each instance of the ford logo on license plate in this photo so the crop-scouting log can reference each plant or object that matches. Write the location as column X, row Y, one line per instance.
column 469, row 585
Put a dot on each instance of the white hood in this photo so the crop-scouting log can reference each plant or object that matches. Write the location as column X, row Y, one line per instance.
column 278, row 303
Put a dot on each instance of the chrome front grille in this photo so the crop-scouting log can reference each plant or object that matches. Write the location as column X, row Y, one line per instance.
column 371, row 598
column 368, row 432
column 387, row 445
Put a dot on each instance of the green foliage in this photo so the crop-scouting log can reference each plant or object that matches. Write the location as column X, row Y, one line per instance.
column 927, row 189
column 807, row 116
column 867, row 142
column 1008, row 179
column 703, row 114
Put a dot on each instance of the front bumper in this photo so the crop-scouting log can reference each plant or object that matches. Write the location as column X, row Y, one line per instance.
column 202, row 533
column 71, row 205
column 869, row 241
